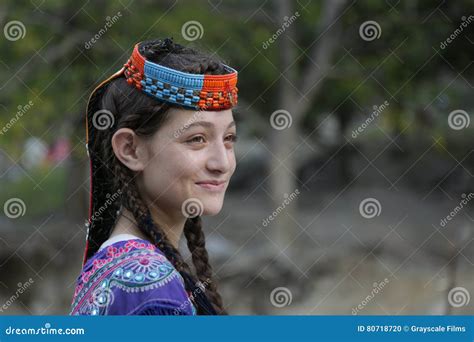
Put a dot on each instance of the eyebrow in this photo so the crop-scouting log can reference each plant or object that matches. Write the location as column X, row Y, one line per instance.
column 207, row 124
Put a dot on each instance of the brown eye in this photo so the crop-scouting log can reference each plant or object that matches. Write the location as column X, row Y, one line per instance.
column 196, row 139
column 232, row 138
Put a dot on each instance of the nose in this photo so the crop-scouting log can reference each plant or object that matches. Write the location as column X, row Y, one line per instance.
column 219, row 159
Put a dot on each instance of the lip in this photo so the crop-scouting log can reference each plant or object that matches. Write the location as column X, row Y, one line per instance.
column 212, row 185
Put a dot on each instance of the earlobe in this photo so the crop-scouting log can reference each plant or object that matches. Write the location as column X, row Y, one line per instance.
column 125, row 144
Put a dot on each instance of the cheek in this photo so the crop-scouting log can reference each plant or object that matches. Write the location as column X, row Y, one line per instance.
column 232, row 161
column 169, row 177
column 169, row 180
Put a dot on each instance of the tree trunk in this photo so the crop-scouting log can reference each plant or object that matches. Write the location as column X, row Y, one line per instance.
column 283, row 142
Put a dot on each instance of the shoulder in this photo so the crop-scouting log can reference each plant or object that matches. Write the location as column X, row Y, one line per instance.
column 131, row 278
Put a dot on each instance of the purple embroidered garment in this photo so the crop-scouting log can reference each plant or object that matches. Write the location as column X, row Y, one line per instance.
column 130, row 277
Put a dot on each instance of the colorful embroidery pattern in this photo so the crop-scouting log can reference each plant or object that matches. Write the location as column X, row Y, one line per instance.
column 129, row 272
column 201, row 92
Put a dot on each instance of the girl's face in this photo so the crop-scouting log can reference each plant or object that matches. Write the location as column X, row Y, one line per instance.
column 190, row 160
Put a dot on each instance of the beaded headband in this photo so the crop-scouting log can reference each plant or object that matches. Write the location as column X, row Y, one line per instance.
column 202, row 92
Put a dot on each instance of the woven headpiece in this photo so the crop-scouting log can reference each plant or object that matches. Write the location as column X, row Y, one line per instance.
column 205, row 92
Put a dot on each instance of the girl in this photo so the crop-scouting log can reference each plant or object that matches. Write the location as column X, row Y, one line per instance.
column 160, row 136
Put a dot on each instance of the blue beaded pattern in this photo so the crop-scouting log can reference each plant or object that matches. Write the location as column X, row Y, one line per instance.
column 171, row 85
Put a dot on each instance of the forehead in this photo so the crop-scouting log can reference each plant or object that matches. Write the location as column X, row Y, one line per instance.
column 178, row 117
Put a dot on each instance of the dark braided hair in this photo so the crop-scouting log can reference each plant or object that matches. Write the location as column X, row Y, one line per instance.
column 145, row 115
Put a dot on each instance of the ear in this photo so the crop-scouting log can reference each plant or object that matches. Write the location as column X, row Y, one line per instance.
column 129, row 149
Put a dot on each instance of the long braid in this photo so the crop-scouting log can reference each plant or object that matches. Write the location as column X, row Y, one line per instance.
column 196, row 241
column 133, row 202
column 102, row 155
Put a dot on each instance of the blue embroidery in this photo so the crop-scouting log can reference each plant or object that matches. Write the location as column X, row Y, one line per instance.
column 135, row 271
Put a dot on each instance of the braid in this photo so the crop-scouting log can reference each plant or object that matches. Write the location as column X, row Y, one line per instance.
column 197, row 246
column 102, row 157
column 132, row 200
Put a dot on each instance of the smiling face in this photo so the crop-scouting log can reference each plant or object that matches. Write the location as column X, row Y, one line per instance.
column 190, row 160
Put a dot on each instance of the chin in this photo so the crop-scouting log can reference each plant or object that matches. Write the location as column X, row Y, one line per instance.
column 212, row 209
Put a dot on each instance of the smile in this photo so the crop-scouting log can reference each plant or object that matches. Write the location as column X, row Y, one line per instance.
column 212, row 186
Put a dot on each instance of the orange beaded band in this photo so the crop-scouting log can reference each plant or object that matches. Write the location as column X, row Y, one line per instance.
column 205, row 92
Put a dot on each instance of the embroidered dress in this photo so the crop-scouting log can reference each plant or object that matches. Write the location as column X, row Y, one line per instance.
column 130, row 277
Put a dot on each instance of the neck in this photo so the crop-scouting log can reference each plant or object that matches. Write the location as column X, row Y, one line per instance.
column 126, row 224
column 172, row 226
